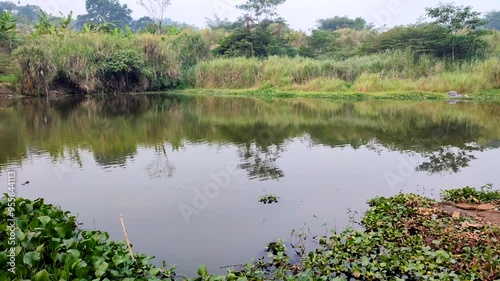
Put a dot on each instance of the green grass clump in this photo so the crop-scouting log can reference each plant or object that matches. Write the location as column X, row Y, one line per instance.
column 391, row 71
column 95, row 62
column 485, row 194
column 269, row 199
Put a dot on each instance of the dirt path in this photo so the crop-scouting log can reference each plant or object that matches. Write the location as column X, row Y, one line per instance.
column 485, row 213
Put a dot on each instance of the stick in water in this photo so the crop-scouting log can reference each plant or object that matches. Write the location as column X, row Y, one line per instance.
column 126, row 237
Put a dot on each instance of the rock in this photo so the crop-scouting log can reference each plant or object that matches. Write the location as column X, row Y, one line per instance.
column 456, row 215
column 452, row 94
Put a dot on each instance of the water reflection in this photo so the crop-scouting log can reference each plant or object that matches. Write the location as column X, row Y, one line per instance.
column 113, row 129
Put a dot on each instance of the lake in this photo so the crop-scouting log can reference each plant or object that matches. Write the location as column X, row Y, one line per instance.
column 187, row 172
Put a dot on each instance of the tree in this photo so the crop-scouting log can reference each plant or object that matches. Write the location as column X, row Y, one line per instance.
column 265, row 39
column 456, row 19
column 258, row 8
column 101, row 11
column 156, row 10
column 492, row 20
column 142, row 24
column 337, row 22
column 225, row 24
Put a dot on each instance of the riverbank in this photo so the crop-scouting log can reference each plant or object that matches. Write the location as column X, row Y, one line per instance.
column 92, row 63
column 405, row 236
column 486, row 95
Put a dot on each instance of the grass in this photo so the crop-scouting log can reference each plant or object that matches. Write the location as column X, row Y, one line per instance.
column 93, row 63
column 98, row 63
column 388, row 72
column 272, row 93
column 406, row 237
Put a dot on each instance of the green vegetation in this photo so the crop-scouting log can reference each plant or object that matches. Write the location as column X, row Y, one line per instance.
column 49, row 246
column 406, row 237
column 269, row 199
column 389, row 72
column 485, row 194
column 92, row 62
column 106, row 51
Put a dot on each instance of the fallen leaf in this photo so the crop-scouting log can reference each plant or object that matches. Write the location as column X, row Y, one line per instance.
column 467, row 224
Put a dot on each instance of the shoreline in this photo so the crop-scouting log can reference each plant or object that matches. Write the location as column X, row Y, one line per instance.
column 483, row 96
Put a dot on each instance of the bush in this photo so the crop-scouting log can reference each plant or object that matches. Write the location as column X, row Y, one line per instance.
column 96, row 62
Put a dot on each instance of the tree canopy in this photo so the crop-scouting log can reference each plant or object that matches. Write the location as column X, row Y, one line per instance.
column 337, row 22
column 461, row 22
column 258, row 8
column 492, row 20
column 101, row 11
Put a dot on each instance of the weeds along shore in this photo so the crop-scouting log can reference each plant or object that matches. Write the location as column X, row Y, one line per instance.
column 88, row 63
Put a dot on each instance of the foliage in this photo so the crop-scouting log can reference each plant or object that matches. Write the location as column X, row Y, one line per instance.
column 50, row 25
column 492, row 20
column 390, row 71
column 85, row 62
column 7, row 26
column 225, row 24
column 269, row 199
column 337, row 23
column 100, row 11
column 48, row 243
column 457, row 19
column 26, row 14
column 485, row 194
column 258, row 8
column 265, row 39
column 142, row 24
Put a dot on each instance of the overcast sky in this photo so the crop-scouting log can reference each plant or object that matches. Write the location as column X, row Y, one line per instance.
column 300, row 14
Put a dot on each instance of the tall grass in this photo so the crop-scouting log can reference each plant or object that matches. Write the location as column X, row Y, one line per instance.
column 391, row 71
column 92, row 62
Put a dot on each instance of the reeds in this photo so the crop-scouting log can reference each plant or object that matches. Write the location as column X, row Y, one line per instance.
column 391, row 71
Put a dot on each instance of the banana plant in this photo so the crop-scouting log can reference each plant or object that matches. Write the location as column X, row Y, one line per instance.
column 8, row 25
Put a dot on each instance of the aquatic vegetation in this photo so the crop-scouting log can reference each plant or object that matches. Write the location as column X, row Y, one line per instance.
column 269, row 199
column 406, row 237
column 49, row 246
column 485, row 194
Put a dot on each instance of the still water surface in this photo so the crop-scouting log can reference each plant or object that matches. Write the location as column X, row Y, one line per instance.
column 187, row 172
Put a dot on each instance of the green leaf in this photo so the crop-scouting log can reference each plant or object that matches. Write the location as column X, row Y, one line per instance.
column 44, row 220
column 42, row 275
column 30, row 258
column 101, row 269
column 202, row 270
column 154, row 271
column 74, row 253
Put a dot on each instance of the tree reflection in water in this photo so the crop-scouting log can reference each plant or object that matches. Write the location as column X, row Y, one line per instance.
column 113, row 128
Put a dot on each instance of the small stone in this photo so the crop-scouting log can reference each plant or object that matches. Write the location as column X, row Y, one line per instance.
column 456, row 215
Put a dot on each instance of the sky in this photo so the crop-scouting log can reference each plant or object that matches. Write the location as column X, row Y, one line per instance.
column 300, row 14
